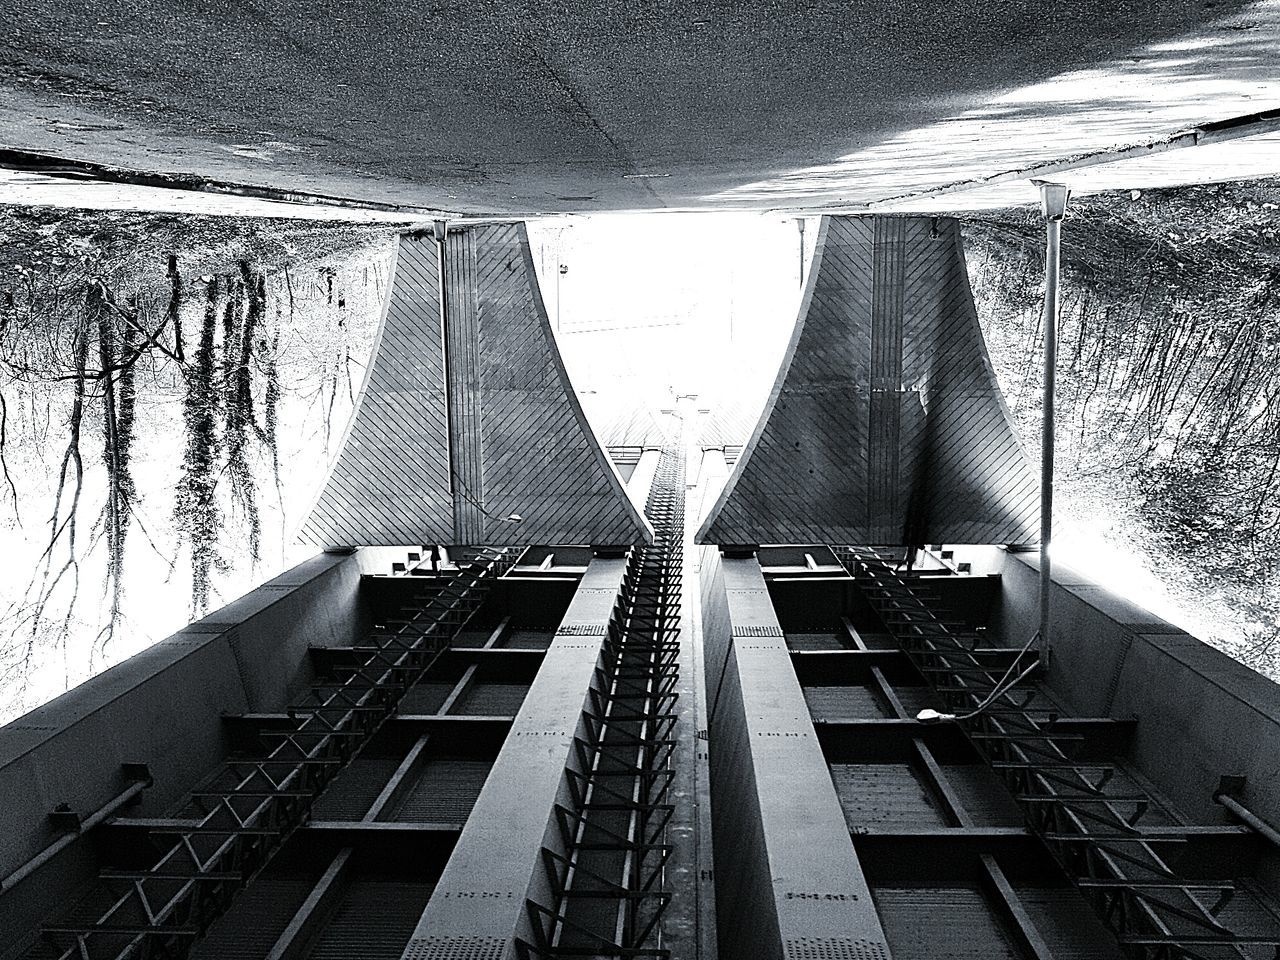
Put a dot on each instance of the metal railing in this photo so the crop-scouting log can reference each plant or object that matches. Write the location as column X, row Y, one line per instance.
column 606, row 873
column 160, row 911
column 1092, row 832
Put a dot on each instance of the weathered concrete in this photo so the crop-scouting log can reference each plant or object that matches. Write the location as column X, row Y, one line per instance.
column 479, row 901
column 1200, row 713
column 788, row 882
column 495, row 107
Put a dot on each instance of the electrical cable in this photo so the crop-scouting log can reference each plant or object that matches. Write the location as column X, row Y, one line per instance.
column 469, row 497
column 1002, row 686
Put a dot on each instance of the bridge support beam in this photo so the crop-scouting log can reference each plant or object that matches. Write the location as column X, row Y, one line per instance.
column 788, row 882
column 478, row 907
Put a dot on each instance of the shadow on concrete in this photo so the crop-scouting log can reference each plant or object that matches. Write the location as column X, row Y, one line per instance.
column 519, row 108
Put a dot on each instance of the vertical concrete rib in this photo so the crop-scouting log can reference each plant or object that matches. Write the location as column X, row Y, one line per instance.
column 479, row 903
column 462, row 337
column 883, row 483
column 788, row 882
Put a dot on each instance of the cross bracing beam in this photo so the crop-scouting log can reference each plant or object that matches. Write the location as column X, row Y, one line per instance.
column 604, row 874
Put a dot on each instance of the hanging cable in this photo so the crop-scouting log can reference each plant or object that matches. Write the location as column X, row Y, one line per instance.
column 1003, row 686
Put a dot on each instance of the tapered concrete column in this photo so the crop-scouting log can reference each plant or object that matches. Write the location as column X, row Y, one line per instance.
column 478, row 906
column 788, row 883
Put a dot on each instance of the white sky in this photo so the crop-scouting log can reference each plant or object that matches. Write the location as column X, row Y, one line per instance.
column 659, row 305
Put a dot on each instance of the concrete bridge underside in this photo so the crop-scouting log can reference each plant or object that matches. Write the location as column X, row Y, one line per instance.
column 492, row 108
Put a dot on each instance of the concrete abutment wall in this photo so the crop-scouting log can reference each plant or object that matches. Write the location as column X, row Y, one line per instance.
column 163, row 707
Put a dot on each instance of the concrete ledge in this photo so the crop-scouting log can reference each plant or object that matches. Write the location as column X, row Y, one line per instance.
column 1200, row 713
column 788, row 879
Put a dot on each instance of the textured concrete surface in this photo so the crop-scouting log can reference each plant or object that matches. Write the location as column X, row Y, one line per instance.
column 162, row 707
column 517, row 108
column 1201, row 713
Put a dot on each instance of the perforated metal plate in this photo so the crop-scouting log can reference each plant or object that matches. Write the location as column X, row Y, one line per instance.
column 757, row 631
column 455, row 948
column 582, row 629
column 834, row 948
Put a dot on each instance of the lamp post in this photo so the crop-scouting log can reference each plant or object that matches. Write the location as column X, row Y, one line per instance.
column 1053, row 207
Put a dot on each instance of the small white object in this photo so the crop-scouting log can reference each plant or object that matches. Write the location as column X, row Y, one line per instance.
column 933, row 716
column 514, row 518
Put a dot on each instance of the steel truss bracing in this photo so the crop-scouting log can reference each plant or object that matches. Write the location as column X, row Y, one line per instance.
column 1093, row 833
column 239, row 823
column 606, row 872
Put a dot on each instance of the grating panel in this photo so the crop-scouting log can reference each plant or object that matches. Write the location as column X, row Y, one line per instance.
column 983, row 795
column 528, row 639
column 353, row 791
column 942, row 923
column 492, row 700
column 883, row 794
column 373, row 921
column 814, row 641
column 915, row 699
column 1252, row 911
column 471, row 638
column 878, row 641
column 1067, row 923
column 256, row 919
column 855, row 702
column 424, row 698
column 445, row 792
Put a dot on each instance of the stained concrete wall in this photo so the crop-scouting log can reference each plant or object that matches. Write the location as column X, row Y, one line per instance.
column 1200, row 713
column 162, row 707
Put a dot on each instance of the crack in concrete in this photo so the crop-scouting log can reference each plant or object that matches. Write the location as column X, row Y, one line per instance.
column 594, row 121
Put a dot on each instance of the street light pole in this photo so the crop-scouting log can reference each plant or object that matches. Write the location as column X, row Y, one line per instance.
column 561, row 270
column 800, row 224
column 1053, row 206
